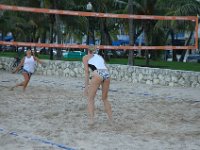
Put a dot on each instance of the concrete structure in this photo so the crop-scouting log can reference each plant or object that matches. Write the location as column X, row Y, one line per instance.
column 134, row 74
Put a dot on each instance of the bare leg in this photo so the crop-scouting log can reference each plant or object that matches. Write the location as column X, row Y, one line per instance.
column 19, row 84
column 24, row 83
column 107, row 106
column 94, row 85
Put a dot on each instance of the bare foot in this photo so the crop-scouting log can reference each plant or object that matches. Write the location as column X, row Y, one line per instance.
column 11, row 89
column 110, row 122
column 91, row 123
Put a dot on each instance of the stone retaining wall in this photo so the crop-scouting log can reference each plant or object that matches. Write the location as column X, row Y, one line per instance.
column 134, row 74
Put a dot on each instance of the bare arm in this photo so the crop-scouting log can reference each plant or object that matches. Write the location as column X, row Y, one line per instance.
column 86, row 69
column 37, row 59
column 19, row 66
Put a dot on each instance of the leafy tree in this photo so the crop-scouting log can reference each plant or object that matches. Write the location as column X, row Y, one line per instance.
column 181, row 8
column 31, row 27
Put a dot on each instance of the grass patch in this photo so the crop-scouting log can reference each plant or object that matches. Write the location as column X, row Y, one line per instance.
column 159, row 64
column 8, row 54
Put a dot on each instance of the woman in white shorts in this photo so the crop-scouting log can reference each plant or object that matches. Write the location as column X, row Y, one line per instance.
column 100, row 76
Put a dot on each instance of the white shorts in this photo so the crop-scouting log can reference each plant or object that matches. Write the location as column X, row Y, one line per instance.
column 104, row 74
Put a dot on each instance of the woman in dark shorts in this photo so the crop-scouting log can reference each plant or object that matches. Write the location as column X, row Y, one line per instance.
column 28, row 63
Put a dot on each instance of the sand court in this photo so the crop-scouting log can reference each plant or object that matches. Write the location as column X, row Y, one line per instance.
column 52, row 115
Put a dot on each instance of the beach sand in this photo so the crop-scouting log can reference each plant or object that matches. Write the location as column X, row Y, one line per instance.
column 52, row 115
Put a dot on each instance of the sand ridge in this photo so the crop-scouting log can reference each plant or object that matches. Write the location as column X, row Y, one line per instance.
column 53, row 109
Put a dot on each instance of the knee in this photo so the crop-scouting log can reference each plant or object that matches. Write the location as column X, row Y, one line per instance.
column 90, row 99
column 26, row 81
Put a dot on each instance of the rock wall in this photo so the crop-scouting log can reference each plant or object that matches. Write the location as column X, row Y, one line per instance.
column 134, row 74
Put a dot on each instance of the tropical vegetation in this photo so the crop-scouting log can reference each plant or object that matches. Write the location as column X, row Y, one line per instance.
column 50, row 28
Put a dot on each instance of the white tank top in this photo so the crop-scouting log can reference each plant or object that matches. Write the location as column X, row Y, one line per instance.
column 97, row 61
column 29, row 64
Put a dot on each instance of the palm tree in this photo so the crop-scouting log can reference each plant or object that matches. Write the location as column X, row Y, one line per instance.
column 142, row 7
column 47, row 26
column 131, row 33
column 181, row 8
column 146, row 7
column 22, row 25
column 60, row 24
column 105, row 24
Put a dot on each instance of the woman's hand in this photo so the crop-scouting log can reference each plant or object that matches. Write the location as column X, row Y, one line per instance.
column 86, row 91
column 13, row 71
column 44, row 65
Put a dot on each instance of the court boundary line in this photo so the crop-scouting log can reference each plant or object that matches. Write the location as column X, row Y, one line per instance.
column 36, row 139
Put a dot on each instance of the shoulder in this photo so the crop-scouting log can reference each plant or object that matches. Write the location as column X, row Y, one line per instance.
column 35, row 58
column 85, row 58
column 23, row 58
column 99, row 56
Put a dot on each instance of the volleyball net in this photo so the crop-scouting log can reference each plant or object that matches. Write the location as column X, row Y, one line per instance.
column 192, row 19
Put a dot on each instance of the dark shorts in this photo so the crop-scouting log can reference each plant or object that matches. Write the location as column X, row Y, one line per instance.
column 25, row 71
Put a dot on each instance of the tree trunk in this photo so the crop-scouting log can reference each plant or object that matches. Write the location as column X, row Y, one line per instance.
column 147, row 57
column 146, row 43
column 52, row 18
column 186, row 43
column 174, row 58
column 58, row 31
column 131, row 60
column 105, row 38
